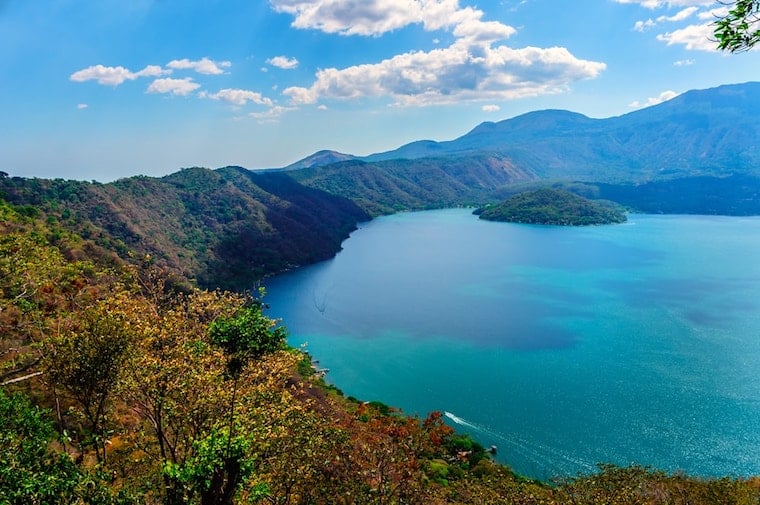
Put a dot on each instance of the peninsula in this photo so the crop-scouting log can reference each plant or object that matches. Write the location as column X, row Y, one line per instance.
column 553, row 207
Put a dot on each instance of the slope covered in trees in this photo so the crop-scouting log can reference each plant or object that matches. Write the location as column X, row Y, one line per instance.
column 118, row 388
column 389, row 186
column 554, row 207
column 700, row 132
column 219, row 228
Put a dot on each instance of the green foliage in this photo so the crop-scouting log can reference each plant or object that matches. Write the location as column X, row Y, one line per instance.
column 27, row 469
column 438, row 470
column 247, row 335
column 735, row 195
column 614, row 485
column 220, row 228
column 385, row 187
column 554, row 207
column 382, row 408
column 466, row 449
column 305, row 366
column 31, row 473
column 86, row 361
column 738, row 31
column 200, row 405
column 218, row 468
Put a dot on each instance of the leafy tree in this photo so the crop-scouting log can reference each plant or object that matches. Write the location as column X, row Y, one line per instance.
column 207, row 384
column 27, row 469
column 175, row 382
column 31, row 473
column 247, row 335
column 219, row 465
column 738, row 30
column 86, row 360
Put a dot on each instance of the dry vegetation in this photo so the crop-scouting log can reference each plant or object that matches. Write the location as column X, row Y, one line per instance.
column 122, row 386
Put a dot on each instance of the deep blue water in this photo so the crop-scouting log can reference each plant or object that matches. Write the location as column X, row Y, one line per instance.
column 565, row 347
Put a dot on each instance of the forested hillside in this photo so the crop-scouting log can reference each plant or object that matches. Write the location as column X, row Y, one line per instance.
column 219, row 228
column 389, row 186
column 553, row 207
column 710, row 132
column 120, row 386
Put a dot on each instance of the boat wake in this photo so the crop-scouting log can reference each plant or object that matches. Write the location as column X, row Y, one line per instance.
column 458, row 420
column 543, row 460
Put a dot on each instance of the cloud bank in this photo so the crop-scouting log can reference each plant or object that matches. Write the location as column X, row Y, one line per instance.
column 114, row 76
column 475, row 67
column 694, row 36
column 283, row 62
column 237, row 97
column 203, row 66
column 662, row 97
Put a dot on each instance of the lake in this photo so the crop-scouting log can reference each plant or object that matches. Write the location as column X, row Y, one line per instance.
column 565, row 347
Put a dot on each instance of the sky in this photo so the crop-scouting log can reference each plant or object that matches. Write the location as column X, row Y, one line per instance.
column 106, row 89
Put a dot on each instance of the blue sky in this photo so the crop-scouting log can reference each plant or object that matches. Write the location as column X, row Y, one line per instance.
column 104, row 89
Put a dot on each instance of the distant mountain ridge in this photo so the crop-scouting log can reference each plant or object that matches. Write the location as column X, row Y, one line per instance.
column 701, row 132
column 697, row 153
column 320, row 158
column 219, row 228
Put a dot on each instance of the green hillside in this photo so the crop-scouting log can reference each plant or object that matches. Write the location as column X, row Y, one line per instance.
column 553, row 207
column 218, row 228
column 710, row 132
column 118, row 388
column 390, row 186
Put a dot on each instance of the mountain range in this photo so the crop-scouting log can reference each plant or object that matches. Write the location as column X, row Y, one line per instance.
column 696, row 153
column 700, row 132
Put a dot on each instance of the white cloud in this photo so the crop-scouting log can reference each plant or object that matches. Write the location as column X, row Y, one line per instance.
column 237, row 97
column 662, row 97
column 283, row 62
column 679, row 16
column 351, row 17
column 322, row 107
column 490, row 108
column 152, row 71
column 272, row 114
column 473, row 68
column 113, row 76
column 376, row 17
column 202, row 66
column 178, row 87
column 713, row 14
column 642, row 26
column 454, row 74
column 684, row 63
column 656, row 4
column 81, row 106
column 698, row 36
column 694, row 37
column 476, row 30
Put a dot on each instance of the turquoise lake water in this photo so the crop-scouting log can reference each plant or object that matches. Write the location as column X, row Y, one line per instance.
column 565, row 347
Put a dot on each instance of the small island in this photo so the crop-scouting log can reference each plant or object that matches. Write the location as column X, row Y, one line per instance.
column 554, row 207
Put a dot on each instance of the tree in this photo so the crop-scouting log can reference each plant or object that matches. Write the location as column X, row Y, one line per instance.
column 738, row 30
column 31, row 473
column 207, row 374
column 175, row 383
column 85, row 360
column 224, row 465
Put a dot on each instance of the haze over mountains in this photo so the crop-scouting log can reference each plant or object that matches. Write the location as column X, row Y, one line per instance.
column 698, row 153
column 701, row 132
